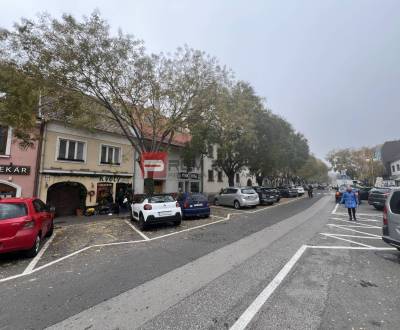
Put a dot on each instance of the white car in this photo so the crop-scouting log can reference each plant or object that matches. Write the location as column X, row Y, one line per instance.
column 155, row 209
column 300, row 190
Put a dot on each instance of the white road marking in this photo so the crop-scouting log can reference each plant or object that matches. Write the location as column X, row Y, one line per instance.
column 228, row 217
column 137, row 230
column 350, row 248
column 36, row 259
column 358, row 219
column 354, row 236
column 350, row 229
column 255, row 306
column 355, row 225
column 362, row 214
column 335, row 209
column 346, row 240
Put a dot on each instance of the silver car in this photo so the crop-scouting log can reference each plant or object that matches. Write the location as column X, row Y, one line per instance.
column 391, row 219
column 237, row 197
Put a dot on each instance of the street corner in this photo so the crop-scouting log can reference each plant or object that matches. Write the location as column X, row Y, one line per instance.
column 71, row 238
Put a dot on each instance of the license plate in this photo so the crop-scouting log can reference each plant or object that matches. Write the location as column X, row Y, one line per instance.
column 164, row 213
column 198, row 204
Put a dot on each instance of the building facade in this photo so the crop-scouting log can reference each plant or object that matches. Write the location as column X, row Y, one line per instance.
column 81, row 168
column 18, row 166
column 395, row 171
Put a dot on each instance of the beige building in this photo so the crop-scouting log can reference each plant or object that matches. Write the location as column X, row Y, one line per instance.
column 80, row 168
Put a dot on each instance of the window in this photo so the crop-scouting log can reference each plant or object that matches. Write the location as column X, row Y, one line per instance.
column 237, row 178
column 12, row 210
column 110, row 155
column 231, row 191
column 395, row 202
column 210, row 151
column 398, row 167
column 39, row 206
column 71, row 150
column 5, row 140
column 195, row 186
column 393, row 169
column 219, row 176
column 210, row 175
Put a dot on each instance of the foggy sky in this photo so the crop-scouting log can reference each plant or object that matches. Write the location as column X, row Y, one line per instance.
column 331, row 68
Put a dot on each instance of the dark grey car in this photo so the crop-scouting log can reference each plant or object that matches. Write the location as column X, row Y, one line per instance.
column 391, row 219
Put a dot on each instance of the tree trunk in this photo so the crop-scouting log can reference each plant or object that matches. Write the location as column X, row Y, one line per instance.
column 260, row 180
column 231, row 179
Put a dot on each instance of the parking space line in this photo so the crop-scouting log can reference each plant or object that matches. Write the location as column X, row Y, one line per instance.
column 36, row 259
column 137, row 230
column 346, row 240
column 333, row 247
column 353, row 236
column 335, row 209
column 227, row 218
column 256, row 305
column 362, row 225
column 350, row 229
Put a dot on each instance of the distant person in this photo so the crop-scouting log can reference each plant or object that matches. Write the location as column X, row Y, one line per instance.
column 310, row 191
column 350, row 201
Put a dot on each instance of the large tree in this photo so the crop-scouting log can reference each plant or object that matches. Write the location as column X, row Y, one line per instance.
column 234, row 130
column 149, row 96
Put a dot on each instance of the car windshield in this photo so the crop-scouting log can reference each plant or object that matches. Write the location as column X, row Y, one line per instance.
column 198, row 197
column 12, row 210
column 161, row 199
column 248, row 191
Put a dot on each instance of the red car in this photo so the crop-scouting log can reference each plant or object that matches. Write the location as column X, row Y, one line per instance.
column 24, row 223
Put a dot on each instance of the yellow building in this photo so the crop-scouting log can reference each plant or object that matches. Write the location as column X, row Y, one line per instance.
column 81, row 168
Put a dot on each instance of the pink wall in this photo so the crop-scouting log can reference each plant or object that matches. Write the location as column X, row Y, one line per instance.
column 21, row 157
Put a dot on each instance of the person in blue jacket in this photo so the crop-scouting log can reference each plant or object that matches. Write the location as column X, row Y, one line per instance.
column 350, row 201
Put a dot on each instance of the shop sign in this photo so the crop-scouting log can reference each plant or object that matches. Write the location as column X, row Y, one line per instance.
column 187, row 176
column 154, row 165
column 109, row 178
column 15, row 169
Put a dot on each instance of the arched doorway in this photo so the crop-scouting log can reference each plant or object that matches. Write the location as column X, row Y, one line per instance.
column 9, row 189
column 249, row 183
column 67, row 197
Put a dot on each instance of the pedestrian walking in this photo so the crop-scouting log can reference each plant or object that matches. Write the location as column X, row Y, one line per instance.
column 310, row 191
column 350, row 201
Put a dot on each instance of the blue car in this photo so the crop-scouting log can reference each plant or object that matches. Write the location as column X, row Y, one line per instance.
column 194, row 205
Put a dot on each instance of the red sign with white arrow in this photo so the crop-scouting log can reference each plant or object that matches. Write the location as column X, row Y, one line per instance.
column 154, row 164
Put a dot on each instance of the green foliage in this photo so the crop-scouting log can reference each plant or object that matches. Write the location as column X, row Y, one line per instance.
column 358, row 163
column 314, row 170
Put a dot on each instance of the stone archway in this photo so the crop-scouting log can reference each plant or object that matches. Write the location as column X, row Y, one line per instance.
column 9, row 189
column 249, row 183
column 67, row 197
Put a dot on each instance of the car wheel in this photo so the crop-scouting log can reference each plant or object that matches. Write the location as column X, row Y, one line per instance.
column 131, row 216
column 207, row 216
column 178, row 222
column 236, row 205
column 142, row 223
column 270, row 203
column 51, row 230
column 216, row 202
column 33, row 251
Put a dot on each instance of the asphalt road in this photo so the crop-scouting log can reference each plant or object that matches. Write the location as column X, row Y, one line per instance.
column 208, row 277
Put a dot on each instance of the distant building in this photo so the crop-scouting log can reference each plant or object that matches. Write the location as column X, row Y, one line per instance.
column 390, row 152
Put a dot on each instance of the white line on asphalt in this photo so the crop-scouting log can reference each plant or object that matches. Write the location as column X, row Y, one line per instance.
column 346, row 240
column 255, row 306
column 228, row 217
column 350, row 229
column 350, row 248
column 35, row 260
column 353, row 224
column 335, row 209
column 354, row 236
column 358, row 219
column 362, row 214
column 137, row 230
